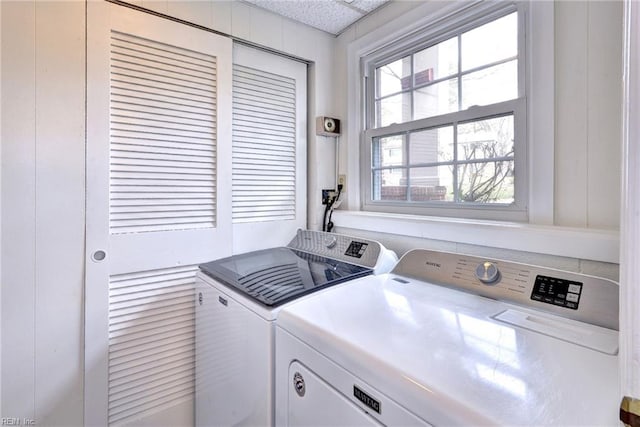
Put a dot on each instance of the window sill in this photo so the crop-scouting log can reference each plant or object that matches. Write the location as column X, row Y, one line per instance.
column 582, row 243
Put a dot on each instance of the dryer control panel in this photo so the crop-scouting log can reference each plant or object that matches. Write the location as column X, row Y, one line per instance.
column 572, row 295
column 354, row 250
column 556, row 291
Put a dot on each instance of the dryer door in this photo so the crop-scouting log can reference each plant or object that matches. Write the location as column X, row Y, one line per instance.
column 313, row 402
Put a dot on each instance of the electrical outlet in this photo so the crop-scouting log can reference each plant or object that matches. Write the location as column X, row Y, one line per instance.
column 327, row 195
column 342, row 180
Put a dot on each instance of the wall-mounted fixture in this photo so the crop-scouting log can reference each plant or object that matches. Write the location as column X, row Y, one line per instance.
column 327, row 126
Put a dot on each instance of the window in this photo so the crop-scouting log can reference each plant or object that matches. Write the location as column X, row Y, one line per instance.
column 446, row 116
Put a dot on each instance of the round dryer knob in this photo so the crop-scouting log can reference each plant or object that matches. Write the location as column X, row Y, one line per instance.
column 488, row 273
column 330, row 241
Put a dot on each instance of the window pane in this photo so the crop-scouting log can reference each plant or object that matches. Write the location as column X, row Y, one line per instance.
column 491, row 42
column 395, row 109
column 436, row 62
column 388, row 151
column 490, row 182
column 389, row 184
column 394, row 77
column 431, row 183
column 431, row 145
column 440, row 98
column 486, row 139
column 491, row 85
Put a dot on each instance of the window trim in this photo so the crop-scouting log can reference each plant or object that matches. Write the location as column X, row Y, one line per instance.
column 540, row 102
column 455, row 23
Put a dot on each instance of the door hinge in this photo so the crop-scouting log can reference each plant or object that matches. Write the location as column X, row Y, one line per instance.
column 630, row 412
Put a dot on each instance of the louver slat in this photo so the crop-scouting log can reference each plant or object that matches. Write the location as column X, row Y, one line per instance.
column 264, row 167
column 163, row 137
column 151, row 341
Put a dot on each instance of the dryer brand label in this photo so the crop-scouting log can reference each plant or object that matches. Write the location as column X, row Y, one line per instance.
column 433, row 264
column 366, row 399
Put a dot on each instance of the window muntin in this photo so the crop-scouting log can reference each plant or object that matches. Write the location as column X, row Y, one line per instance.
column 493, row 42
column 485, row 161
column 490, row 85
column 453, row 113
column 476, row 67
column 468, row 162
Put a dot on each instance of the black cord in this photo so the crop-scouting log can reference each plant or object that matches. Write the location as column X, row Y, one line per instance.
column 328, row 227
column 324, row 218
column 330, row 223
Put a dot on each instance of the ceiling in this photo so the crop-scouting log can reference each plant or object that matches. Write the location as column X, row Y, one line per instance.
column 332, row 16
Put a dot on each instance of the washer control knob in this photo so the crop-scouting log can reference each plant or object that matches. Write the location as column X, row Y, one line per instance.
column 488, row 273
column 330, row 241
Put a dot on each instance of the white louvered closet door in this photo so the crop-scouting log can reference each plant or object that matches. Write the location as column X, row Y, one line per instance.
column 158, row 204
column 269, row 149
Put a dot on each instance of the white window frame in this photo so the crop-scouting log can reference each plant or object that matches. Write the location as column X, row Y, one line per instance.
column 457, row 23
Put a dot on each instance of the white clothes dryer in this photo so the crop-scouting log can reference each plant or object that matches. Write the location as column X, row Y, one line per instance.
column 237, row 301
column 452, row 340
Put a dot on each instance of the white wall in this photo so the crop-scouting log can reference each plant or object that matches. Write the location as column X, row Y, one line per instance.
column 42, row 176
column 588, row 71
column 42, row 210
column 588, row 113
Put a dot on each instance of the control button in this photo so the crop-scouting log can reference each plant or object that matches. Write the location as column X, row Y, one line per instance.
column 330, row 241
column 488, row 273
column 575, row 289
column 559, row 292
column 356, row 249
column 573, row 297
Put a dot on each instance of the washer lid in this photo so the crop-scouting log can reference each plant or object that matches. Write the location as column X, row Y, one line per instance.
column 275, row 276
column 444, row 356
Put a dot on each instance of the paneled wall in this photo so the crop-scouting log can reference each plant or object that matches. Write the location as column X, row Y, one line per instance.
column 588, row 80
column 43, row 210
